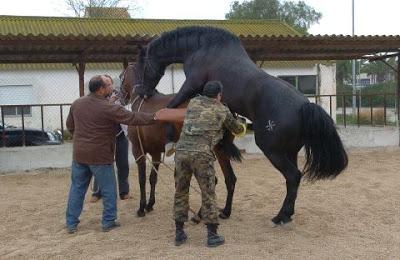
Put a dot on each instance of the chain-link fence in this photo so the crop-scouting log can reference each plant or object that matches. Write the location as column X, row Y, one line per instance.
column 36, row 97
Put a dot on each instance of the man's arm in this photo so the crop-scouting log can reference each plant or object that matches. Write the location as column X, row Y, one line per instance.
column 122, row 116
column 234, row 125
column 171, row 114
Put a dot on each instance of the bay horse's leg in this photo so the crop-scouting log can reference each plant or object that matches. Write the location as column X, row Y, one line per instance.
column 141, row 163
column 230, row 181
column 287, row 165
column 153, row 180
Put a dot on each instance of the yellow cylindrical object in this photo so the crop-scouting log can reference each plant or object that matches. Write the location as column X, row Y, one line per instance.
column 243, row 133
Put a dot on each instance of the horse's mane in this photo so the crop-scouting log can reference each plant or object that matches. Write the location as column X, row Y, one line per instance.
column 197, row 37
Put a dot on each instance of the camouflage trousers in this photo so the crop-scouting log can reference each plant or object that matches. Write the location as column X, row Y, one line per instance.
column 202, row 167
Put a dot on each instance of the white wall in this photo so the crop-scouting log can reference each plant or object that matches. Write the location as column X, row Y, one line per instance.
column 327, row 86
column 49, row 87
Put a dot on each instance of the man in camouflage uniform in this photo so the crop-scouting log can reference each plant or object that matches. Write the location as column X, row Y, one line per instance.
column 203, row 128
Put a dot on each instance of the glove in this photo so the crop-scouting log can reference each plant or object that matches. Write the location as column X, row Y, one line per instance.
column 242, row 121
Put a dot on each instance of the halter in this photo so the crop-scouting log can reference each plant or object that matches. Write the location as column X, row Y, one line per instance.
column 122, row 94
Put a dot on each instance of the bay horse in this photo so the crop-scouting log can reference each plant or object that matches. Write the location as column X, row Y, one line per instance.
column 151, row 140
column 283, row 118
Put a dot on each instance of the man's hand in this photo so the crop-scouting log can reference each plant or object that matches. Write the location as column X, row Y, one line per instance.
column 159, row 114
column 113, row 97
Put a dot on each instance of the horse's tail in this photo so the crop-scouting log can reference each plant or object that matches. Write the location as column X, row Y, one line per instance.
column 325, row 155
column 229, row 148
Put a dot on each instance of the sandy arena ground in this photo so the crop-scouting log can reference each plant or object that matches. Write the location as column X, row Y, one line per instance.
column 356, row 216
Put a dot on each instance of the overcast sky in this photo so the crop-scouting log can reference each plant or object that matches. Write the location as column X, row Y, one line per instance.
column 371, row 16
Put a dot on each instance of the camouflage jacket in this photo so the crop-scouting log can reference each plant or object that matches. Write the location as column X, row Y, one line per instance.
column 204, row 124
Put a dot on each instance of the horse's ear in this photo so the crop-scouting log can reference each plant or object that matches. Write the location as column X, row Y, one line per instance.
column 142, row 49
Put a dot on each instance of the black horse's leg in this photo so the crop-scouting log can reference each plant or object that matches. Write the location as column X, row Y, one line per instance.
column 292, row 156
column 190, row 88
column 153, row 181
column 230, row 181
column 285, row 164
column 141, row 163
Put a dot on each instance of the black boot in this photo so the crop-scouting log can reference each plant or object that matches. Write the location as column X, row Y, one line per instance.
column 213, row 239
column 180, row 235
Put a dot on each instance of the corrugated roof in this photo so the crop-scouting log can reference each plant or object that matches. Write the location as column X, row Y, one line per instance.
column 59, row 66
column 71, row 26
column 72, row 40
column 119, row 66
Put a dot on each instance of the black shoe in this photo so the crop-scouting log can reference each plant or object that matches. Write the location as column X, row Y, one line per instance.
column 94, row 198
column 213, row 239
column 112, row 226
column 72, row 230
column 180, row 235
column 125, row 196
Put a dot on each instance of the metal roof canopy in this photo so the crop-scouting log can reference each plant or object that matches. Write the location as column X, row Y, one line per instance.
column 75, row 49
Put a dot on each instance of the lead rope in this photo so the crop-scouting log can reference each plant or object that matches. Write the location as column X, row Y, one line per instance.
column 196, row 217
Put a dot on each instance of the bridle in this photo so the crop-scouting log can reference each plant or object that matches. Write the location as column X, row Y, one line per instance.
column 147, row 65
column 122, row 94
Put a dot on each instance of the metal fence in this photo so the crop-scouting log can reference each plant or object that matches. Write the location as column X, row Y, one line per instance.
column 35, row 124
column 378, row 110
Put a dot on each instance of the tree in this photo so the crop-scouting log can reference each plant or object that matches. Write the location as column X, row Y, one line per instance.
column 80, row 7
column 343, row 71
column 381, row 70
column 299, row 15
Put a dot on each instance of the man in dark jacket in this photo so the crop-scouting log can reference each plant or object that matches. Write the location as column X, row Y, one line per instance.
column 93, row 122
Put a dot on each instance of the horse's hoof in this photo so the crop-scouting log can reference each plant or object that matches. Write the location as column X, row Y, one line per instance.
column 281, row 220
column 149, row 208
column 140, row 213
column 195, row 220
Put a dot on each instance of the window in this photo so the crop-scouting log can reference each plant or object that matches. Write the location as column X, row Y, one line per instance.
column 306, row 84
column 16, row 95
column 291, row 79
column 17, row 111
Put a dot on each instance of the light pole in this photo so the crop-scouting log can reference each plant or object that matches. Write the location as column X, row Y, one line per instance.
column 353, row 64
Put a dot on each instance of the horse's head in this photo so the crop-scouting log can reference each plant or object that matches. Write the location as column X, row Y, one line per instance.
column 148, row 73
column 128, row 90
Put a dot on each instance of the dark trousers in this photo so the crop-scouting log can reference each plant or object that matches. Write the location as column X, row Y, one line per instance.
column 121, row 160
column 170, row 132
